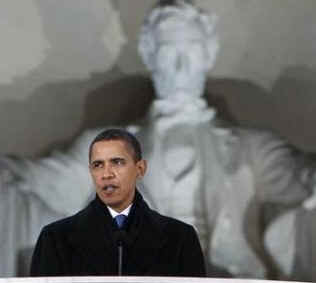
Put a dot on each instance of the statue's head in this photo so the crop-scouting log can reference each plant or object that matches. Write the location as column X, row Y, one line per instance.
column 178, row 45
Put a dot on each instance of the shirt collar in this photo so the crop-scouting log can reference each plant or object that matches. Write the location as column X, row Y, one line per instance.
column 124, row 212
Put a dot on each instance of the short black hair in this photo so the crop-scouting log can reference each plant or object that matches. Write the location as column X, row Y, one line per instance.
column 122, row 135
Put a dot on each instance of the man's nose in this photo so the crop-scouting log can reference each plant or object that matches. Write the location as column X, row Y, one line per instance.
column 108, row 172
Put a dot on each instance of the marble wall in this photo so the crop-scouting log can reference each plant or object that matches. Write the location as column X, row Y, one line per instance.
column 72, row 64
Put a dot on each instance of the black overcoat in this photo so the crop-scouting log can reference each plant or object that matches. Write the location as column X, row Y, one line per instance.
column 85, row 244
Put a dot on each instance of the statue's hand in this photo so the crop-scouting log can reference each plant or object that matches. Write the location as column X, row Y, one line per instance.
column 310, row 203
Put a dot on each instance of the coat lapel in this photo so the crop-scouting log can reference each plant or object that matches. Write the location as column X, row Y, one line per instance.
column 94, row 241
column 145, row 238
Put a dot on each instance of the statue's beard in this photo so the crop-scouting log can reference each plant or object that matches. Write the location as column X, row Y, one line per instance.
column 178, row 88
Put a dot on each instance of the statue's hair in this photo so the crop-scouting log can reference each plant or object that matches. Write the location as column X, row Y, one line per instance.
column 185, row 11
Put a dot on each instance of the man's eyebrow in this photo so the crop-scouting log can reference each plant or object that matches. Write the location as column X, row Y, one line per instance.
column 118, row 158
column 97, row 161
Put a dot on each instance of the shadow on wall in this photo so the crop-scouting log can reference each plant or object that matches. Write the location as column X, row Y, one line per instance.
column 288, row 109
column 295, row 100
column 238, row 101
column 120, row 102
column 56, row 113
column 51, row 114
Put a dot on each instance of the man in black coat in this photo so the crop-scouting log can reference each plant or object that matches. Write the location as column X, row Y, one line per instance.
column 94, row 242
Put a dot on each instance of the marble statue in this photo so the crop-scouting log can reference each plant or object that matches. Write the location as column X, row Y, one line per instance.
column 290, row 241
column 217, row 179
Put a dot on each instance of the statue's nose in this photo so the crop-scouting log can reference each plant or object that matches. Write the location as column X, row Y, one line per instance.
column 181, row 62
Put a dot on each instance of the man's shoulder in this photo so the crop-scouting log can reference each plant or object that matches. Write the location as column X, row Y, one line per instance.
column 159, row 221
column 169, row 223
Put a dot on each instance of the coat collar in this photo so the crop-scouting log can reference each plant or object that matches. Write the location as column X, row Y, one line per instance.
column 94, row 235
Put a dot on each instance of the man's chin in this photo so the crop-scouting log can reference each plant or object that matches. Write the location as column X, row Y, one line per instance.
column 107, row 198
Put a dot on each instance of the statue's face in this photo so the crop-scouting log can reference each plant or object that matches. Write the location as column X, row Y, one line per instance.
column 180, row 65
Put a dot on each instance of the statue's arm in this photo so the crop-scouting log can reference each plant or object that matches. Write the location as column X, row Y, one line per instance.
column 282, row 173
column 61, row 180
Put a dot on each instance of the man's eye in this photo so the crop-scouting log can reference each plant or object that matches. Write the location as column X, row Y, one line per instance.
column 118, row 161
column 97, row 165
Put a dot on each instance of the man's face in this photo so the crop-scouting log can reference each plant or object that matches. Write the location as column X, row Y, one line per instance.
column 114, row 172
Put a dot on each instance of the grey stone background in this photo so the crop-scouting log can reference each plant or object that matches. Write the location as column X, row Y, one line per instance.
column 60, row 74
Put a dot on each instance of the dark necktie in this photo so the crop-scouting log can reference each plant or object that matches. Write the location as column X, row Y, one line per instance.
column 120, row 220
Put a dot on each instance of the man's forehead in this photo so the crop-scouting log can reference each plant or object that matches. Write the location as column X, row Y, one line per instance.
column 111, row 148
column 110, row 145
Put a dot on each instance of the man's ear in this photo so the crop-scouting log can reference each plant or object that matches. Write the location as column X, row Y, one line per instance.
column 142, row 167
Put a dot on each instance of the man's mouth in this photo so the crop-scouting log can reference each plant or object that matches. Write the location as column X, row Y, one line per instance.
column 110, row 188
